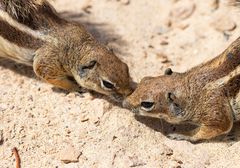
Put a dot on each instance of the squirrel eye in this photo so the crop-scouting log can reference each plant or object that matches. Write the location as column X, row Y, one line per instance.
column 108, row 85
column 147, row 106
column 90, row 65
column 84, row 69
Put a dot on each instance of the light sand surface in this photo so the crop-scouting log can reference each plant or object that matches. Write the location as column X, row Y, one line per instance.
column 48, row 125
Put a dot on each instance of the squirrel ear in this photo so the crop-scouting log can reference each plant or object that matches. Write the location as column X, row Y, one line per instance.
column 83, row 69
column 168, row 71
column 170, row 97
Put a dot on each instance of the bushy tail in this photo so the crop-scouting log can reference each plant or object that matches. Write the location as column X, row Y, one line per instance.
column 28, row 12
column 21, row 8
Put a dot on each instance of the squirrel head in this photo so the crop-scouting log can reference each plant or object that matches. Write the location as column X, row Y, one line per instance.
column 158, row 97
column 102, row 71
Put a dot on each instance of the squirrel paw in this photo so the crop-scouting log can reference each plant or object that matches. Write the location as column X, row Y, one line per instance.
column 180, row 137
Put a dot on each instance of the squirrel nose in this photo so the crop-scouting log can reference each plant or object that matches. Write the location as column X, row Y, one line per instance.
column 130, row 90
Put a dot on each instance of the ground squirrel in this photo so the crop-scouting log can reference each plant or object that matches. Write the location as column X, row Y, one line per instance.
column 62, row 53
column 207, row 96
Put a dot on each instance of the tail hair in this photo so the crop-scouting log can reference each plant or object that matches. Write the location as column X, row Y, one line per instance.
column 26, row 11
column 21, row 8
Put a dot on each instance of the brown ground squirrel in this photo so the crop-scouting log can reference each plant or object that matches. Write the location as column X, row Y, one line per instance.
column 207, row 96
column 61, row 52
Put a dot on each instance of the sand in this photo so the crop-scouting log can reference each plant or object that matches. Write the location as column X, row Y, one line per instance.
column 51, row 127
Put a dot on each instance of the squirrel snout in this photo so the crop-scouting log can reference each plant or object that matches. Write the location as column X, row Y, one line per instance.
column 130, row 90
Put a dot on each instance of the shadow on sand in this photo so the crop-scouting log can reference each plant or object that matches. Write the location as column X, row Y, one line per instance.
column 103, row 32
column 166, row 128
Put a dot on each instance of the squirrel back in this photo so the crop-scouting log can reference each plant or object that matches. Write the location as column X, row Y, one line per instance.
column 24, row 27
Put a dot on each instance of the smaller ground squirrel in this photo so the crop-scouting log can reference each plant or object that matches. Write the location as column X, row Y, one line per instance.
column 62, row 53
column 207, row 96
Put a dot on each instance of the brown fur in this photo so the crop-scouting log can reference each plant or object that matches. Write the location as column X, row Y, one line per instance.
column 69, row 58
column 200, row 96
column 23, row 39
column 37, row 14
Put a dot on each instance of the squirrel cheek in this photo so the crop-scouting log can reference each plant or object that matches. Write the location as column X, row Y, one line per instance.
column 175, row 109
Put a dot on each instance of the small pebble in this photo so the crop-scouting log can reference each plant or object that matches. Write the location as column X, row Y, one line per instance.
column 167, row 151
column 69, row 154
column 183, row 10
column 222, row 23
column 214, row 4
column 163, row 58
column 1, row 137
column 83, row 117
column 125, row 2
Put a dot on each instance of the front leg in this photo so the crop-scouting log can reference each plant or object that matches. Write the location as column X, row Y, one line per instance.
column 183, row 135
column 198, row 134
column 214, row 118
column 47, row 67
column 204, row 132
column 63, row 82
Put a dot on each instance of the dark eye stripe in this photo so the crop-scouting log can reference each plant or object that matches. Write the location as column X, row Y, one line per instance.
column 147, row 105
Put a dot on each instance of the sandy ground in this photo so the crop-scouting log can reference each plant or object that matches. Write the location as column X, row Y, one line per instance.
column 48, row 125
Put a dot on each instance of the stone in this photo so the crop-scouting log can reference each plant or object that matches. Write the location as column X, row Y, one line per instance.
column 183, row 10
column 223, row 22
column 1, row 137
column 167, row 151
column 125, row 2
column 214, row 4
column 84, row 117
column 163, row 58
column 69, row 154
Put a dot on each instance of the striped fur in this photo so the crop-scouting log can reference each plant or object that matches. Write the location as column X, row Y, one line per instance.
column 231, row 83
column 224, row 80
column 31, row 32
column 235, row 103
column 36, row 14
column 24, row 28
